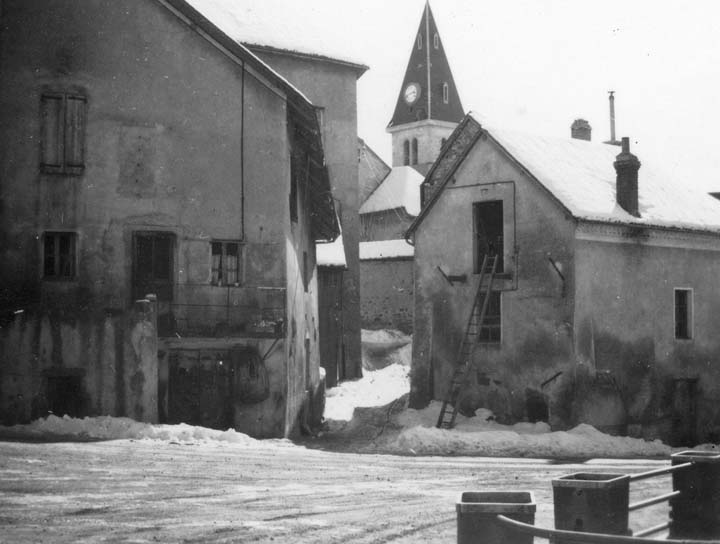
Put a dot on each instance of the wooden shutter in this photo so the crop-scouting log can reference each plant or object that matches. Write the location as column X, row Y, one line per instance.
column 75, row 133
column 52, row 133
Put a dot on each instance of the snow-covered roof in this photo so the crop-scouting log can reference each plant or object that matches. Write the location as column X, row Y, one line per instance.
column 291, row 26
column 400, row 189
column 581, row 175
column 385, row 249
column 332, row 254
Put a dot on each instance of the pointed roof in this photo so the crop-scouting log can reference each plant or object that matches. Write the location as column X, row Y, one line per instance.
column 428, row 69
column 580, row 176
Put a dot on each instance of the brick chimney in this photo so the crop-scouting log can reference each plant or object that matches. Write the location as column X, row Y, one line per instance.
column 581, row 130
column 627, row 166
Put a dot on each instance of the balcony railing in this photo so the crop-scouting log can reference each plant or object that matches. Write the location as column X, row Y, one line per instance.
column 202, row 310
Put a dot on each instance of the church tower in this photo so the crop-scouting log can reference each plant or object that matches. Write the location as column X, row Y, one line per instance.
column 428, row 107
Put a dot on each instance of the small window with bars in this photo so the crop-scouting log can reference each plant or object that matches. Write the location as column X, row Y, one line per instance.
column 63, row 133
column 492, row 325
column 225, row 265
column 59, row 255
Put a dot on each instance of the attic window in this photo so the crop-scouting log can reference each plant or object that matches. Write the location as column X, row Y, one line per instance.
column 436, row 41
column 683, row 314
column 414, row 157
column 419, row 41
column 406, row 152
column 446, row 93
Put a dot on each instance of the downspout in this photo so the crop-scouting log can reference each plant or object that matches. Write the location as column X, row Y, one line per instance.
column 242, row 154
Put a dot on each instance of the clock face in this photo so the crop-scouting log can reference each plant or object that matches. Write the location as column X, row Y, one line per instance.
column 412, row 93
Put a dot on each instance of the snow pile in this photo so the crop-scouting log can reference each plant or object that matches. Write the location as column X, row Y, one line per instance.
column 109, row 428
column 376, row 388
column 483, row 437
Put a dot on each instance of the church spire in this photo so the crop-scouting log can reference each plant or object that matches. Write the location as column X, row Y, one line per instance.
column 428, row 91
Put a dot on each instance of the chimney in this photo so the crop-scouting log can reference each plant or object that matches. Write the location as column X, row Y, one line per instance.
column 627, row 166
column 612, row 140
column 581, row 130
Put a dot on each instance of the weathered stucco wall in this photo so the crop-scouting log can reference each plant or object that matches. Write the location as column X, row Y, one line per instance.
column 180, row 139
column 79, row 362
column 536, row 302
column 387, row 294
column 625, row 325
column 332, row 87
column 385, row 225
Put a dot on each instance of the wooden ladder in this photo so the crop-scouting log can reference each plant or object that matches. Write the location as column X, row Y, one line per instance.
column 463, row 363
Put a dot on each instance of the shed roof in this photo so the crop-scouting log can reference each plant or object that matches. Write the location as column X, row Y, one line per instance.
column 282, row 25
column 580, row 175
column 400, row 189
column 332, row 255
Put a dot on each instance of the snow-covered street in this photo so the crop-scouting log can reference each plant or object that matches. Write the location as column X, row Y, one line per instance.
column 212, row 491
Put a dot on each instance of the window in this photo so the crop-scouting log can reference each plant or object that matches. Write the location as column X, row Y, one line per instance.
column 419, row 41
column 446, row 93
column 683, row 313
column 153, row 260
column 406, row 152
column 59, row 255
column 63, row 133
column 414, row 157
column 305, row 271
column 490, row 332
column 488, row 219
column 436, row 41
column 225, row 265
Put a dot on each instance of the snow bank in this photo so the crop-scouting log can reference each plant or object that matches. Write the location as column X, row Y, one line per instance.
column 483, row 437
column 376, row 388
column 109, row 428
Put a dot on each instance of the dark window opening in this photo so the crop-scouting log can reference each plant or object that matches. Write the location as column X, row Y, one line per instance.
column 153, row 265
column 446, row 93
column 305, row 271
column 59, row 255
column 683, row 314
column 488, row 219
column 414, row 156
column 62, row 133
column 490, row 332
column 225, row 263
column 406, row 152
column 65, row 395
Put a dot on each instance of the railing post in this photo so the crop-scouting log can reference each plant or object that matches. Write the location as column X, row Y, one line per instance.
column 477, row 513
column 695, row 512
column 592, row 503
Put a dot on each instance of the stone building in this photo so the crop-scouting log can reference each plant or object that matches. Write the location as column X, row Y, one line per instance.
column 147, row 151
column 603, row 310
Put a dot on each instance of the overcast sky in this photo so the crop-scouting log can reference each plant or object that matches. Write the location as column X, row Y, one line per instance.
column 536, row 65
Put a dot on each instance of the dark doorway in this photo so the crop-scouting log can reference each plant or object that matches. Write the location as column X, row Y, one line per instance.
column 64, row 393
column 488, row 230
column 153, row 257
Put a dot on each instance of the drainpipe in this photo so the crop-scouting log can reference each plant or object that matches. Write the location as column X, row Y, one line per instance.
column 242, row 155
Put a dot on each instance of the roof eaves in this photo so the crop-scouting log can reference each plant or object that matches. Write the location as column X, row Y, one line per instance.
column 225, row 43
column 436, row 193
column 359, row 69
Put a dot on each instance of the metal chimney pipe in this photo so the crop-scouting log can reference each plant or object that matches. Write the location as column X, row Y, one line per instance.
column 612, row 116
